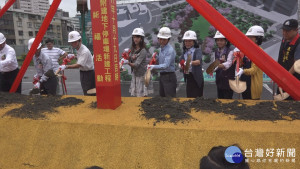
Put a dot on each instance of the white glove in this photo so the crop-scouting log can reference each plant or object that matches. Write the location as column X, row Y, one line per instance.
column 125, row 61
column 36, row 76
column 241, row 71
column 150, row 67
column 179, row 65
column 44, row 78
column 69, row 56
column 216, row 68
column 62, row 67
column 37, row 85
column 185, row 63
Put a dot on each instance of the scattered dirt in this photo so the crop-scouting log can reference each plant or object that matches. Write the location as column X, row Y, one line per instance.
column 94, row 167
column 266, row 110
column 166, row 109
column 35, row 106
column 200, row 104
column 93, row 105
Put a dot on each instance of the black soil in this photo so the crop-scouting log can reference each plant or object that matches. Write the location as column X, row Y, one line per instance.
column 93, row 105
column 35, row 106
column 266, row 110
column 167, row 109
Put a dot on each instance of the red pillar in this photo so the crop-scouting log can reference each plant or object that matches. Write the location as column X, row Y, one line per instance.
column 6, row 6
column 35, row 44
column 106, row 50
column 276, row 72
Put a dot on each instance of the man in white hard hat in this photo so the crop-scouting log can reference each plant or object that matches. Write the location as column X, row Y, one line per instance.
column 166, row 60
column 8, row 66
column 85, row 62
column 44, row 79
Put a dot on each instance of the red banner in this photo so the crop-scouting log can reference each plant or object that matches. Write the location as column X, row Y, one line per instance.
column 106, row 49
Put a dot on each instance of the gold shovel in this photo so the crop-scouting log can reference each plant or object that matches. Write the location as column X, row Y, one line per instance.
column 147, row 77
column 212, row 66
column 282, row 95
column 237, row 85
column 188, row 62
column 148, row 72
column 91, row 91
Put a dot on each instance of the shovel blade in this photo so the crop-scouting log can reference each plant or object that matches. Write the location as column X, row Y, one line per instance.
column 237, row 85
column 281, row 97
column 187, row 65
column 147, row 77
column 34, row 91
column 212, row 66
column 91, row 91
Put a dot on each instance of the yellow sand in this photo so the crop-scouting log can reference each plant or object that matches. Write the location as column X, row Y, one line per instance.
column 78, row 137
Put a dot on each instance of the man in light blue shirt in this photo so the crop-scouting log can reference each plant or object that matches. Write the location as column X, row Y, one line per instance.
column 166, row 64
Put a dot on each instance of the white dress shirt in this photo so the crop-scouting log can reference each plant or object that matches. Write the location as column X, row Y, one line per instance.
column 85, row 58
column 8, row 59
column 42, row 64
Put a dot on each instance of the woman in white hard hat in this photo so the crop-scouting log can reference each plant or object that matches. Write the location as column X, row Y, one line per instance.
column 166, row 64
column 44, row 79
column 250, row 72
column 225, row 69
column 8, row 66
column 138, row 63
column 85, row 63
column 192, row 59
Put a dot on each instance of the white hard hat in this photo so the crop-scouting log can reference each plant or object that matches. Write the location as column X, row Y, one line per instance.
column 255, row 31
column 30, row 42
column 164, row 33
column 74, row 36
column 2, row 38
column 236, row 50
column 189, row 35
column 219, row 35
column 138, row 31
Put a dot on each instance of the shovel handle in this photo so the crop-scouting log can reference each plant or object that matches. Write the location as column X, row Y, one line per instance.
column 56, row 73
column 280, row 90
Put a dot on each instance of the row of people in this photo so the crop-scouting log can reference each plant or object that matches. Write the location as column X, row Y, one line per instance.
column 47, row 66
column 191, row 63
column 46, row 62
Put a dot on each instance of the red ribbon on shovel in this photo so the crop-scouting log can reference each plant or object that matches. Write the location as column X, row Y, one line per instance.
column 238, row 56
